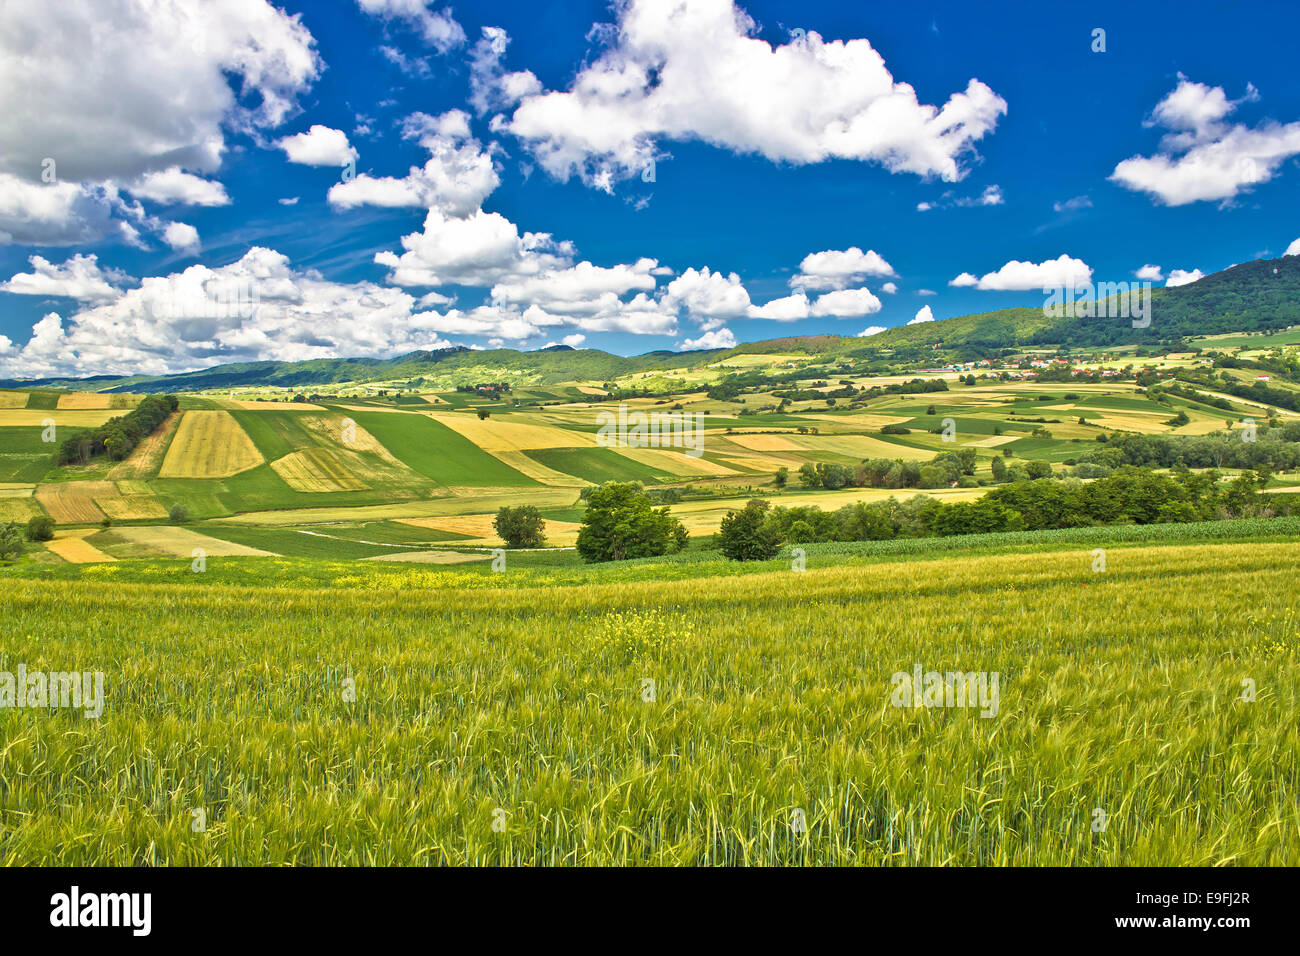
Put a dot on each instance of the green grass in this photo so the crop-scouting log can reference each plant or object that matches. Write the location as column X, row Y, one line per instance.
column 435, row 451
column 600, row 464
column 1119, row 691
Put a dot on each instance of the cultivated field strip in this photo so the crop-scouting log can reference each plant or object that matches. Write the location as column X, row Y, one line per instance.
column 1120, row 691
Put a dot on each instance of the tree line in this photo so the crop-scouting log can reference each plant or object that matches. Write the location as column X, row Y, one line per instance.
column 118, row 436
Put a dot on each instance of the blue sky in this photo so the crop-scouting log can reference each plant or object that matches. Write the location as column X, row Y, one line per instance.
column 1199, row 98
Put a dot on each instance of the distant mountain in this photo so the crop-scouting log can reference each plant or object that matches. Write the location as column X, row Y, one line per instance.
column 1254, row 296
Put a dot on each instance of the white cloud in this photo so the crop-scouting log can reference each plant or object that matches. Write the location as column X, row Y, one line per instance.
column 1179, row 277
column 1017, row 276
column 438, row 27
column 78, row 278
column 717, row 339
column 113, row 93
column 710, row 297
column 931, row 291
column 1150, row 273
column 319, row 146
column 456, row 179
column 924, row 207
column 834, row 269
column 257, row 308
column 176, row 186
column 991, row 196
column 1205, row 158
column 1074, row 204
column 573, row 341
column 889, row 287
column 789, row 309
column 846, row 303
column 480, row 249
column 491, row 86
column 288, row 201
column 870, row 331
column 693, row 70
column 923, row 315
column 181, row 236
column 1293, row 249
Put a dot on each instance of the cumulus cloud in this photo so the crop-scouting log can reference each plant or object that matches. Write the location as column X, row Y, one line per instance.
column 78, row 278
column 1017, row 276
column 319, row 146
column 439, row 29
column 181, row 236
column 1179, row 277
column 710, row 297
column 457, row 178
column 846, row 303
column 789, row 309
column 717, row 339
column 1150, row 273
column 834, row 269
column 1293, row 249
column 97, row 97
column 693, row 70
column 573, row 341
column 889, row 288
column 480, row 249
column 1204, row 158
column 257, row 308
column 492, row 87
column 870, row 331
column 177, row 186
column 923, row 315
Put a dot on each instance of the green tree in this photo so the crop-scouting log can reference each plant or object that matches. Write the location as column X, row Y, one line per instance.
column 621, row 522
column 808, row 475
column 179, row 514
column 11, row 541
column 40, row 528
column 520, row 527
column 781, row 477
column 999, row 470
column 483, row 413
column 748, row 535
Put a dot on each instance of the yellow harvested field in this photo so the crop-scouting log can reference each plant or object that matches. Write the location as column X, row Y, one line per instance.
column 763, row 442
column 73, row 548
column 267, row 406
column 590, row 390
column 209, row 445
column 705, row 517
column 481, row 531
column 430, row 557
column 993, row 441
column 73, row 502
column 84, row 400
column 13, row 399
column 346, row 433
column 317, row 469
column 16, row 490
column 860, row 419
column 28, row 417
column 535, row 470
column 498, row 434
column 17, row 505
column 182, row 542
column 862, row 446
column 132, row 507
column 474, row 500
column 146, row 458
column 674, row 462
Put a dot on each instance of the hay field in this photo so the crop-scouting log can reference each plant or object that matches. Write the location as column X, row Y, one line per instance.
column 72, row 547
column 181, row 542
column 209, row 444
column 76, row 401
column 317, row 470
column 146, row 458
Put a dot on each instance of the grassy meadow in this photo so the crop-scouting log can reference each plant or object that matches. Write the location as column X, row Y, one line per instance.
column 521, row 699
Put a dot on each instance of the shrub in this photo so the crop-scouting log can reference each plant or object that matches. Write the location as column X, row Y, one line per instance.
column 521, row 527
column 40, row 528
column 179, row 514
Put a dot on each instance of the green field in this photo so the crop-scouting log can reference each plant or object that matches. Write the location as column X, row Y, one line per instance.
column 523, row 693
